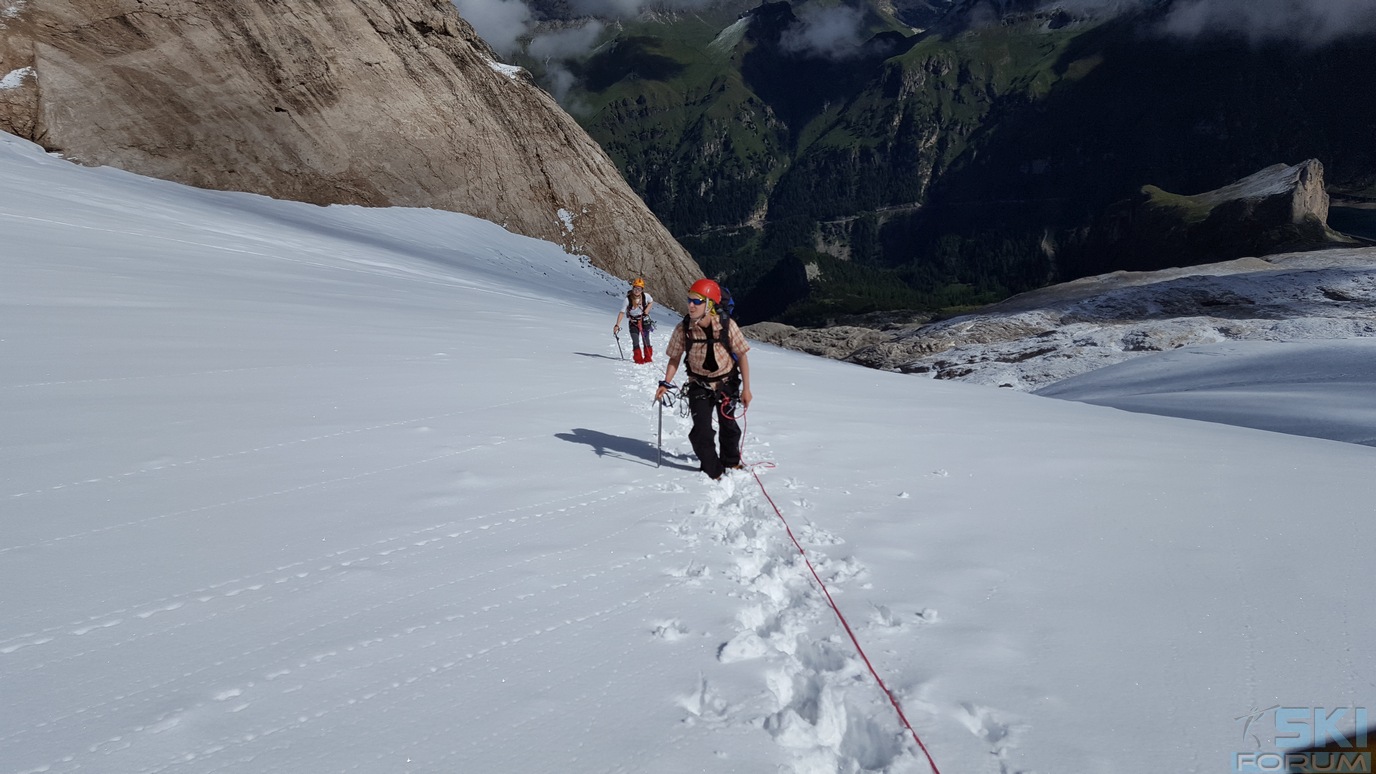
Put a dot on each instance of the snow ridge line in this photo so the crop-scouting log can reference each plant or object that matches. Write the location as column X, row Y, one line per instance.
column 842, row 618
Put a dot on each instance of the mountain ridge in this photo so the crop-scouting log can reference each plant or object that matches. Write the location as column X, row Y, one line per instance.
column 974, row 161
column 396, row 102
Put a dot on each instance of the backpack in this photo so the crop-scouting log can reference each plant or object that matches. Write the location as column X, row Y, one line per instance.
column 728, row 304
column 630, row 301
column 644, row 319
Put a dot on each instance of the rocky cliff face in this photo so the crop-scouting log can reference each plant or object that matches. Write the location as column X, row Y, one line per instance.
column 371, row 102
column 1297, row 190
column 1278, row 209
column 1052, row 333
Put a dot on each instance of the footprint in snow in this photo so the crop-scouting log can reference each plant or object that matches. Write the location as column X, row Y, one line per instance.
column 987, row 724
column 704, row 703
column 694, row 571
column 743, row 647
column 881, row 615
column 670, row 631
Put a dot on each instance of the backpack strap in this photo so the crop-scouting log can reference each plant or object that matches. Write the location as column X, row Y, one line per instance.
column 723, row 338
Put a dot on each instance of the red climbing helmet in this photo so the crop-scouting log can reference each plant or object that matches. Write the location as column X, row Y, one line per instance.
column 707, row 289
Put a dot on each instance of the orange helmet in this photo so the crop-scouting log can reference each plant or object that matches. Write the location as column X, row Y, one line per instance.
column 638, row 283
column 707, row 289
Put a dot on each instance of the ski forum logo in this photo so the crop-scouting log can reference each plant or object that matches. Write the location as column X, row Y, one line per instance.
column 1307, row 739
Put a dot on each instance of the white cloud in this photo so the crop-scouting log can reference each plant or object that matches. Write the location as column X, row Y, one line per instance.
column 559, row 81
column 498, row 22
column 625, row 9
column 831, row 33
column 1092, row 6
column 1309, row 21
column 557, row 47
column 565, row 44
column 614, row 9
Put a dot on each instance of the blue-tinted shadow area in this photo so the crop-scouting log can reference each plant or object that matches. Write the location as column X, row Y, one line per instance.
column 618, row 447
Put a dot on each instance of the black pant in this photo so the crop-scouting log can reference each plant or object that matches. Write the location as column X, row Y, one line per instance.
column 703, row 402
column 639, row 330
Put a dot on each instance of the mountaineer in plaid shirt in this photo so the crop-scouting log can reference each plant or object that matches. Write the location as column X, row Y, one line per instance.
column 718, row 377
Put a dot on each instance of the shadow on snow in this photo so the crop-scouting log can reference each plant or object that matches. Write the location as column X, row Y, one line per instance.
column 615, row 446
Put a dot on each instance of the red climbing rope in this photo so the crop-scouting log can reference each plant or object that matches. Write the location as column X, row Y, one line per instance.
column 839, row 615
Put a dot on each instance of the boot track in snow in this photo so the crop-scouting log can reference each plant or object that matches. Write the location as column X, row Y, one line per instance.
column 818, row 700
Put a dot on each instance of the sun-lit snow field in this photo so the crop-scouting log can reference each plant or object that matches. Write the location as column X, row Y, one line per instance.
column 297, row 489
column 1317, row 388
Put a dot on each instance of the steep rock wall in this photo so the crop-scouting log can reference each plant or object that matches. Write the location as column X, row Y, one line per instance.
column 371, row 102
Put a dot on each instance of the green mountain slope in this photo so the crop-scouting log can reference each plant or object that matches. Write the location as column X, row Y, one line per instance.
column 951, row 166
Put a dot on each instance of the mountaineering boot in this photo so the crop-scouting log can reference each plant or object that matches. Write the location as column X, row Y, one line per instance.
column 649, row 354
column 636, row 357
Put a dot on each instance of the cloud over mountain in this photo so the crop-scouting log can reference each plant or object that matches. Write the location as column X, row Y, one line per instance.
column 1312, row 23
column 829, row 33
column 1307, row 22
column 557, row 47
column 501, row 23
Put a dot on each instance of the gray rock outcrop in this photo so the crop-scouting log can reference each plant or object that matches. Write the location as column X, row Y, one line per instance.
column 369, row 102
column 837, row 342
column 1282, row 208
column 1066, row 330
column 1041, row 337
column 1298, row 190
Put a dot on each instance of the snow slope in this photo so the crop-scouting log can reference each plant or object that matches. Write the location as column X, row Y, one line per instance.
column 298, row 489
column 1315, row 388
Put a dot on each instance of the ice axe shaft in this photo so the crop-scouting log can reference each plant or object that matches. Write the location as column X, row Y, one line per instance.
column 662, row 399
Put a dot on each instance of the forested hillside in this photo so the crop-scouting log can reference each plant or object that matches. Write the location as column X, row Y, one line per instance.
column 953, row 164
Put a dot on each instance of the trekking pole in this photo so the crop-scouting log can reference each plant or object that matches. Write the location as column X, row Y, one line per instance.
column 659, row 437
column 617, row 333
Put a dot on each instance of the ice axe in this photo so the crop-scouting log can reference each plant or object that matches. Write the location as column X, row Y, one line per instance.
column 617, row 333
column 659, row 437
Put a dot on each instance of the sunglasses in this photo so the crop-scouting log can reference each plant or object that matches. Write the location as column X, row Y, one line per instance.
column 696, row 301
